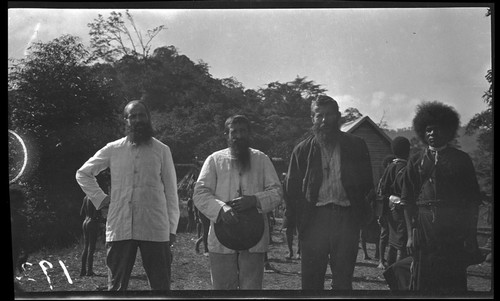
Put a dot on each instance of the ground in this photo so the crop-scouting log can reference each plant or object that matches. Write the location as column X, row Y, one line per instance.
column 190, row 271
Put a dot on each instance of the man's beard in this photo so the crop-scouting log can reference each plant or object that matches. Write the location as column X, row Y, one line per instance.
column 139, row 133
column 240, row 148
column 326, row 136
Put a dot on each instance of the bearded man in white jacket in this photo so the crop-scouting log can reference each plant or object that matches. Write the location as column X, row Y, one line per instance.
column 232, row 181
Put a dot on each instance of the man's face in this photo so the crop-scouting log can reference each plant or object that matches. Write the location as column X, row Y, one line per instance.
column 238, row 134
column 139, row 127
column 137, row 114
column 325, row 119
column 435, row 136
column 238, row 138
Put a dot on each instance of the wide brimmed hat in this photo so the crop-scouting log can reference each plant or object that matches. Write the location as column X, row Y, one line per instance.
column 244, row 234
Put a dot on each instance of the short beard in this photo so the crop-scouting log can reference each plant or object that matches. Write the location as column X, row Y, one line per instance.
column 326, row 136
column 140, row 133
column 241, row 150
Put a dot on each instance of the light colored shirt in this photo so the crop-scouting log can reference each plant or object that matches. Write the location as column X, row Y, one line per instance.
column 220, row 181
column 332, row 190
column 144, row 204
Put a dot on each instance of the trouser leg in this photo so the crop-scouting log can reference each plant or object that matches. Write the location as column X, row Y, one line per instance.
column 392, row 255
column 156, row 261
column 91, row 247
column 85, row 251
column 120, row 260
column 384, row 237
column 345, row 248
column 289, row 240
column 224, row 271
column 314, row 245
column 251, row 270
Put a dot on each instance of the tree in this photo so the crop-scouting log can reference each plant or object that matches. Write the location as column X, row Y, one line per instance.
column 285, row 112
column 483, row 122
column 112, row 39
column 67, row 109
column 350, row 114
column 483, row 156
column 383, row 123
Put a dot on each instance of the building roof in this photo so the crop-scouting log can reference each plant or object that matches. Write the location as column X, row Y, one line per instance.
column 351, row 126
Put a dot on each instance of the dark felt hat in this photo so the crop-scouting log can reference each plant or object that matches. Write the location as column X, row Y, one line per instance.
column 243, row 235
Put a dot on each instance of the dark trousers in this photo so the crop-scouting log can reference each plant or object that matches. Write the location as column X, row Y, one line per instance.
column 441, row 253
column 398, row 275
column 155, row 259
column 90, row 229
column 332, row 236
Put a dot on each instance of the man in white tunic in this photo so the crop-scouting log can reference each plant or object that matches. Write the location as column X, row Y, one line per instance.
column 143, row 207
column 245, row 177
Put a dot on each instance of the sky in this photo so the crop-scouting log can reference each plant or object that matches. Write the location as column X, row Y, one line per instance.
column 382, row 61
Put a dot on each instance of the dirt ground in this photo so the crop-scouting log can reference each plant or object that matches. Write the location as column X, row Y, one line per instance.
column 190, row 273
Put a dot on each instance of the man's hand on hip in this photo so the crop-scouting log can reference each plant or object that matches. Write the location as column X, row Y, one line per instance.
column 104, row 203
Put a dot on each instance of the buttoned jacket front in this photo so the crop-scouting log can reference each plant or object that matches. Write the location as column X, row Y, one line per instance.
column 220, row 182
column 144, row 204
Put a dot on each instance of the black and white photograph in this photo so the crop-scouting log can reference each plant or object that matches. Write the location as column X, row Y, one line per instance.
column 242, row 149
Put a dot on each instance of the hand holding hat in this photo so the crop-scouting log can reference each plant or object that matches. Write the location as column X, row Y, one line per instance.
column 244, row 203
column 228, row 217
column 242, row 226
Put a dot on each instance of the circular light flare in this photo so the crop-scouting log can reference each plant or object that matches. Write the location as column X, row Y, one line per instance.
column 25, row 152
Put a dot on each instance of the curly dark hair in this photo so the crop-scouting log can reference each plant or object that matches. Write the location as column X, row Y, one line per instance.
column 439, row 114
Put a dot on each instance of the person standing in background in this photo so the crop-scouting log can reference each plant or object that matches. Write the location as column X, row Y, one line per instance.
column 90, row 230
column 391, row 191
column 382, row 203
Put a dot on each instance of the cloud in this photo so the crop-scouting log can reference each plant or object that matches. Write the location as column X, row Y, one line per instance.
column 399, row 113
column 377, row 99
column 396, row 109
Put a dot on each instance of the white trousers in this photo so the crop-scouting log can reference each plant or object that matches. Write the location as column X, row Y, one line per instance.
column 241, row 270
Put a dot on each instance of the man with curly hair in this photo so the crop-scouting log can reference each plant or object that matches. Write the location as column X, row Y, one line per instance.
column 440, row 195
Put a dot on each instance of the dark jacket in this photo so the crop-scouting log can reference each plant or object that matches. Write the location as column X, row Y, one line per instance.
column 391, row 182
column 453, row 180
column 305, row 176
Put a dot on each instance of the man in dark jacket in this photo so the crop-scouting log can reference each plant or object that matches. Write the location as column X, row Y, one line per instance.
column 328, row 181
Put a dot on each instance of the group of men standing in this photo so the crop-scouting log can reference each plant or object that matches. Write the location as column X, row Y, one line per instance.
column 327, row 191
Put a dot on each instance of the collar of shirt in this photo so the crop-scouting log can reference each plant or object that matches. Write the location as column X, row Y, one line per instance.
column 434, row 152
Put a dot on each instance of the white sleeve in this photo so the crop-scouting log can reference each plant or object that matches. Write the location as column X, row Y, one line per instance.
column 169, row 179
column 204, row 191
column 86, row 175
